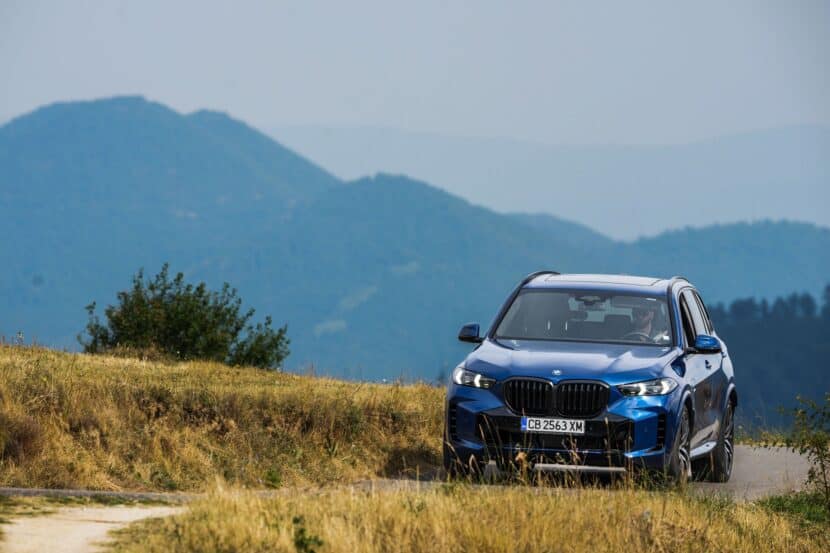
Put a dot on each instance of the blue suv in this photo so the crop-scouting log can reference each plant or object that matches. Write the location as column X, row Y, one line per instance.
column 598, row 374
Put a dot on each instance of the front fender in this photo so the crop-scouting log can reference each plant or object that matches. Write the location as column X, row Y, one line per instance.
column 687, row 398
column 731, row 389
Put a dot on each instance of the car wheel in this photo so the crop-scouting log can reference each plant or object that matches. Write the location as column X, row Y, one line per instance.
column 679, row 469
column 721, row 458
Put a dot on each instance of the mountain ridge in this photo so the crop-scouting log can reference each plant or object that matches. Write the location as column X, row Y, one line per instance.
column 781, row 172
column 373, row 275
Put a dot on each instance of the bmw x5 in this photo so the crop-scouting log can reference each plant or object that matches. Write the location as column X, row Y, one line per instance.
column 595, row 373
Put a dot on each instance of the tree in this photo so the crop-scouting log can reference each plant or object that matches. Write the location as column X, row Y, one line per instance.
column 779, row 348
column 743, row 310
column 807, row 306
column 185, row 321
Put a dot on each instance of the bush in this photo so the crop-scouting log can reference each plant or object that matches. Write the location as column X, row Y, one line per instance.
column 184, row 321
column 811, row 437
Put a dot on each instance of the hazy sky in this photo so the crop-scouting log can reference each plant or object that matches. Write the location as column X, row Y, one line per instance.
column 620, row 72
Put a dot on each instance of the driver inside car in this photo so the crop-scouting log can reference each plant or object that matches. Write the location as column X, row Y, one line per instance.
column 642, row 319
column 644, row 327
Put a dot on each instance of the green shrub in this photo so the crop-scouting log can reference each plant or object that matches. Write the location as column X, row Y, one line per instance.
column 170, row 317
column 811, row 437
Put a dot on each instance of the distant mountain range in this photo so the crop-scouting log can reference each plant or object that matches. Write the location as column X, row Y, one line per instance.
column 619, row 190
column 373, row 276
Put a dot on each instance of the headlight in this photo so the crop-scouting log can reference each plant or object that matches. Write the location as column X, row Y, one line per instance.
column 659, row 387
column 463, row 377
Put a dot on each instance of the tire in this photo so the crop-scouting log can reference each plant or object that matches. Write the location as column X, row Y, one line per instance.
column 718, row 466
column 679, row 468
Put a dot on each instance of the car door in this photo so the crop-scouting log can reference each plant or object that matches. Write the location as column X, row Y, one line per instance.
column 702, row 369
column 718, row 381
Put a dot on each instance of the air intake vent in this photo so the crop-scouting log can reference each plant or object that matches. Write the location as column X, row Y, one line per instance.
column 453, row 422
column 529, row 397
column 661, row 431
column 581, row 399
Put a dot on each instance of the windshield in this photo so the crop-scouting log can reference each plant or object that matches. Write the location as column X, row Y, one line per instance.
column 589, row 316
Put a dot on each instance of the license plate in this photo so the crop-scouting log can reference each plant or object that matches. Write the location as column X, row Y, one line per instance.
column 553, row 426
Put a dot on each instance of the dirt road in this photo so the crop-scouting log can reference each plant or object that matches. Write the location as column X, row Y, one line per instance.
column 74, row 529
column 759, row 472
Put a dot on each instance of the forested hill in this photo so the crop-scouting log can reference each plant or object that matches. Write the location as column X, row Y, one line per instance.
column 780, row 349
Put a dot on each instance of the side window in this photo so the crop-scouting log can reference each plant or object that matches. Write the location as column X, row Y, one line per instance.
column 688, row 328
column 709, row 328
column 694, row 311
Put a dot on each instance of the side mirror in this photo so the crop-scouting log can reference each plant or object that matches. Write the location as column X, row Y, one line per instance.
column 707, row 344
column 469, row 333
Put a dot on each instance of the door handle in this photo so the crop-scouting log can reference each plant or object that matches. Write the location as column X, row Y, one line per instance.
column 708, row 364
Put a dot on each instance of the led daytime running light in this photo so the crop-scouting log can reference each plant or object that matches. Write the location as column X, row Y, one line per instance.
column 658, row 387
column 463, row 377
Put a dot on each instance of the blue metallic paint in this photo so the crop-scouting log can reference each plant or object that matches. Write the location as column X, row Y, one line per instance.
column 613, row 364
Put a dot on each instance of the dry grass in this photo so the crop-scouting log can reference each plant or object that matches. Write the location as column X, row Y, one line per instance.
column 112, row 423
column 465, row 518
column 116, row 423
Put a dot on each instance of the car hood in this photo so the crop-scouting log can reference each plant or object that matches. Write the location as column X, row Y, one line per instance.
column 612, row 363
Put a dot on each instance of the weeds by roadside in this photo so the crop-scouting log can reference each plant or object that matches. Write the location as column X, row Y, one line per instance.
column 761, row 437
column 811, row 437
column 805, row 507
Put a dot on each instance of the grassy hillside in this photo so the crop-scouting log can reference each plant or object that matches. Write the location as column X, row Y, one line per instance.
column 111, row 423
column 463, row 518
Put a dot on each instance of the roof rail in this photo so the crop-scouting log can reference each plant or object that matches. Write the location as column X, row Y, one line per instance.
column 531, row 276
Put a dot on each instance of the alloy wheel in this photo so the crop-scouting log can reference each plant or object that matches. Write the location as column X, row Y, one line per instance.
column 683, row 448
column 729, row 438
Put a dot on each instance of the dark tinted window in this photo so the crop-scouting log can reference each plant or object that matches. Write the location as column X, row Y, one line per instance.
column 705, row 312
column 685, row 315
column 695, row 312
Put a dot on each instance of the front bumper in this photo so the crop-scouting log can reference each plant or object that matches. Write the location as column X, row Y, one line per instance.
column 631, row 431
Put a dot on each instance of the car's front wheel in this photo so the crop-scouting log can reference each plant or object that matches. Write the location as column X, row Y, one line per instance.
column 679, row 468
